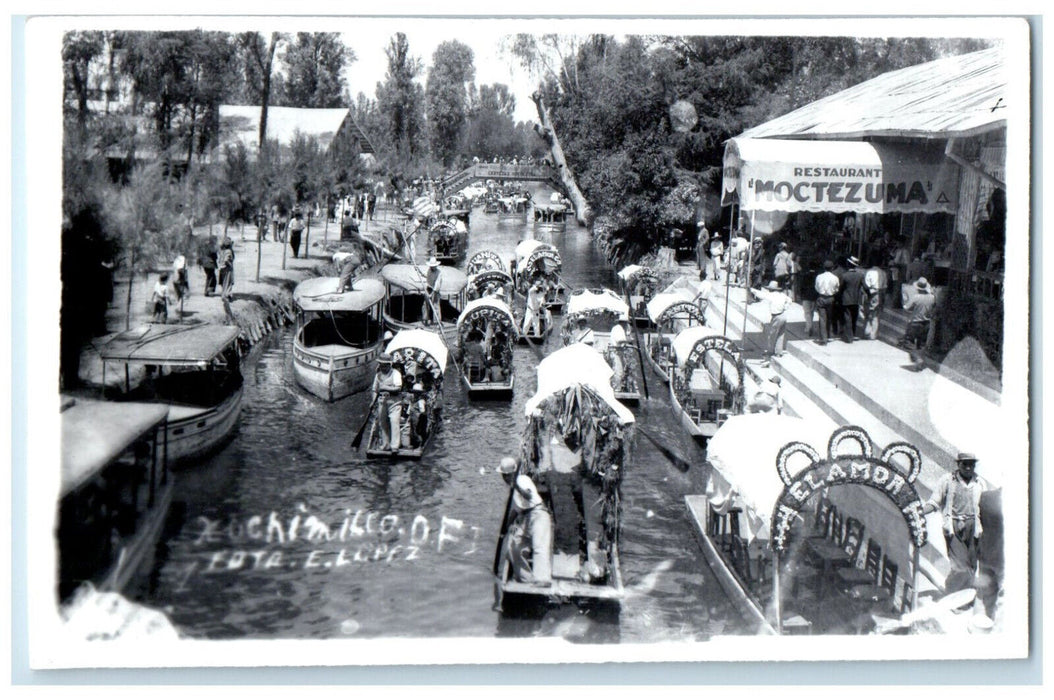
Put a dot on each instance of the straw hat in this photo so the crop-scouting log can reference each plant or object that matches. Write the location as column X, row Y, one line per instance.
column 384, row 358
column 854, row 261
column 966, row 457
column 922, row 283
column 418, row 387
column 774, row 284
column 507, row 465
column 433, row 262
column 525, row 494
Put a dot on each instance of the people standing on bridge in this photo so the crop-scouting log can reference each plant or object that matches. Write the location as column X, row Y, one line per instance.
column 852, row 289
column 958, row 498
column 827, row 285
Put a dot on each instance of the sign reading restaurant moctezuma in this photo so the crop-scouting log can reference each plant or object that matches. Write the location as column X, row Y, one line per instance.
column 838, row 176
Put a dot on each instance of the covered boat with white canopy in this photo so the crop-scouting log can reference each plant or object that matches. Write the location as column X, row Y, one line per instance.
column 540, row 262
column 486, row 333
column 483, row 261
column 572, row 457
column 551, row 217
column 406, row 304
column 490, row 283
column 448, row 241
column 420, row 356
column 765, row 522
column 669, row 313
column 338, row 335
column 638, row 284
column 601, row 310
column 513, row 208
column 706, row 379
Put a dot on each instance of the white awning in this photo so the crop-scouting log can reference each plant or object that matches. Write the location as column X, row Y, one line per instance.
column 684, row 341
column 661, row 302
column 838, row 176
column 420, row 339
column 586, row 301
column 743, row 455
column 486, row 307
column 573, row 365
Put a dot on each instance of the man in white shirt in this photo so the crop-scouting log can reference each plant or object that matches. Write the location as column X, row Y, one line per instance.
column 583, row 333
column 532, row 318
column 618, row 331
column 776, row 328
column 827, row 285
column 387, row 386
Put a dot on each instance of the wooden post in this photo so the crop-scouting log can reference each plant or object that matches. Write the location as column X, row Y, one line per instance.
column 914, row 577
column 307, row 235
column 777, row 602
column 259, row 250
column 746, row 286
column 284, row 246
column 325, row 227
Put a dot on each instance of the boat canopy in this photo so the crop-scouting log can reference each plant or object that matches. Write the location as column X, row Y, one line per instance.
column 685, row 341
column 631, row 273
column 554, row 208
column 577, row 365
column 425, row 347
column 412, row 278
column 319, row 294
column 596, row 301
column 94, row 433
column 485, row 260
column 526, row 250
column 480, row 280
column 743, row 453
column 667, row 304
column 170, row 346
column 486, row 309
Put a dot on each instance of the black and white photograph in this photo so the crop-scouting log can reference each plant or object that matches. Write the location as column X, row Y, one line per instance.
column 364, row 340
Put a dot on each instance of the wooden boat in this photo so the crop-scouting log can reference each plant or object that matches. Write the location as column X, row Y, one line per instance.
column 115, row 492
column 638, row 283
column 448, row 241
column 772, row 480
column 602, row 309
column 536, row 260
column 405, row 304
column 513, row 209
column 485, row 261
column 669, row 314
column 490, row 323
column 338, row 335
column 550, row 217
column 421, row 358
column 582, row 493
column 706, row 381
column 491, row 203
column 192, row 370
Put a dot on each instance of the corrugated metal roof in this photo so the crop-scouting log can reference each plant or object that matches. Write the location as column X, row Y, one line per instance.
column 951, row 97
column 242, row 122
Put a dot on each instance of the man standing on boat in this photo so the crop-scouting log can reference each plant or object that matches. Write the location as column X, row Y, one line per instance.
column 533, row 318
column 958, row 498
column 583, row 333
column 618, row 331
column 387, row 384
column 433, row 279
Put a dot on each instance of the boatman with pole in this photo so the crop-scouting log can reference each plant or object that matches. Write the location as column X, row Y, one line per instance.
column 387, row 384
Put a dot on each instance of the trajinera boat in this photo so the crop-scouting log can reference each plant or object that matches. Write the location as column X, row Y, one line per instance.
column 406, row 303
column 591, row 314
column 448, row 241
column 550, row 217
column 706, row 380
column 338, row 335
column 537, row 261
column 561, row 528
column 669, row 314
column 484, row 261
column 787, row 511
column 638, row 283
column 486, row 332
column 420, row 357
column 115, row 492
column 513, row 208
column 193, row 370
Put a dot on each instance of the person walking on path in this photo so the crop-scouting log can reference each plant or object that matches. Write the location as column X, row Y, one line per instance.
column 958, row 498
column 226, row 267
column 702, row 246
column 852, row 288
column 160, row 299
column 781, row 267
column 179, row 277
column 920, row 306
column 296, row 228
column 872, row 297
column 207, row 258
column 827, row 285
column 776, row 328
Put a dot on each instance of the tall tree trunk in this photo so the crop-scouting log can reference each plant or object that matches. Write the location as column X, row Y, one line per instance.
column 583, row 212
column 265, row 92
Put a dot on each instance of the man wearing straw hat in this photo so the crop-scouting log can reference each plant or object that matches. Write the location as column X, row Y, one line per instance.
column 387, row 385
column 958, row 498
column 432, row 282
column 531, row 534
column 852, row 287
column 920, row 306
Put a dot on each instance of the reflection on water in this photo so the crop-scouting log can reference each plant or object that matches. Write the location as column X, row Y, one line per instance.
column 290, row 533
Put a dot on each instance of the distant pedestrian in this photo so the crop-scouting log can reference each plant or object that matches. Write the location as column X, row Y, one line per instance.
column 371, row 205
column 852, row 288
column 348, row 226
column 702, row 247
column 179, row 277
column 795, row 277
column 809, row 296
column 781, row 266
column 837, row 310
column 827, row 285
column 872, row 298
column 296, row 228
column 226, row 267
column 920, row 306
column 776, row 328
column 208, row 259
column 160, row 299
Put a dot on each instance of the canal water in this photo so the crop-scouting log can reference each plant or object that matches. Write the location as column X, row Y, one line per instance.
column 289, row 533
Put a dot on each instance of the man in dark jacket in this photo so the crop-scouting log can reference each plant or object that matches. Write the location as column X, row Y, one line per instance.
column 852, row 286
column 837, row 309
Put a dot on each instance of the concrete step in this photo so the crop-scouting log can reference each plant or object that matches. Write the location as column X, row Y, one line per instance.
column 930, row 445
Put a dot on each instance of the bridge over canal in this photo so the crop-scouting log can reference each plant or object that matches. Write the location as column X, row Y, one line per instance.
column 502, row 172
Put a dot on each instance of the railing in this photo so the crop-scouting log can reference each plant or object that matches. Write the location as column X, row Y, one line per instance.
column 502, row 171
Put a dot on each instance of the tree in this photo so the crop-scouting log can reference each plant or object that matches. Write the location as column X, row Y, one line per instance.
column 314, row 68
column 261, row 59
column 401, row 99
column 79, row 51
column 489, row 128
column 447, row 93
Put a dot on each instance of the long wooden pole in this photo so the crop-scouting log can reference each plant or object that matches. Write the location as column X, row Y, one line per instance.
column 746, row 286
column 777, row 602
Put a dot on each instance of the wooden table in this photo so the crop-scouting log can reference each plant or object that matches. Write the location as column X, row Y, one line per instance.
column 830, row 554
